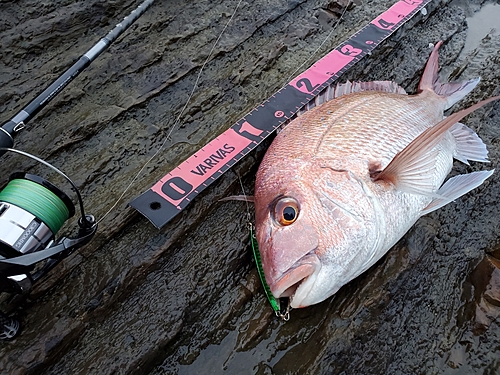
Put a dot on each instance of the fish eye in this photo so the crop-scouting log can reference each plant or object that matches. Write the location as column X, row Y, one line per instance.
column 286, row 211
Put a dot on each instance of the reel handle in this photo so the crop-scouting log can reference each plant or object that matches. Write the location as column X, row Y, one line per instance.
column 9, row 327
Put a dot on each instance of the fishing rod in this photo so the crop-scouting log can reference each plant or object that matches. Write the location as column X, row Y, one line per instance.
column 18, row 122
column 33, row 210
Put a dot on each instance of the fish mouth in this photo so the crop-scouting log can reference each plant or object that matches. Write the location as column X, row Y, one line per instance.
column 298, row 280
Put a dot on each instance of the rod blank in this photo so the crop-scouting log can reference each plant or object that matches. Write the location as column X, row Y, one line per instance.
column 16, row 124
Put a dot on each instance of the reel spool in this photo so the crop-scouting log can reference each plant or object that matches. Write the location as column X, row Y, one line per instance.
column 32, row 211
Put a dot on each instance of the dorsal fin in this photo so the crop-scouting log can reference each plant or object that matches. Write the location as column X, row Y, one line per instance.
column 336, row 90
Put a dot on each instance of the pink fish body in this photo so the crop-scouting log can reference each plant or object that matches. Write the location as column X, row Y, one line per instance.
column 343, row 182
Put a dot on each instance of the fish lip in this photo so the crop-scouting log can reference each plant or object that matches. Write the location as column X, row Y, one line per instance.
column 296, row 276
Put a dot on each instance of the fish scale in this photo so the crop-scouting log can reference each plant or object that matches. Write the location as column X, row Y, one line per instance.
column 364, row 127
column 353, row 141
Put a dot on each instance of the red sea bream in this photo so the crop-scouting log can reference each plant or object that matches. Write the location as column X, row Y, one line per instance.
column 344, row 181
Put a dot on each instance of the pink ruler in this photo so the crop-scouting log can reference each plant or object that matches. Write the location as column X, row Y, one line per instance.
column 176, row 189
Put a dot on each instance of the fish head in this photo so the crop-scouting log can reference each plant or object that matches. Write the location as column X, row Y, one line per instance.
column 313, row 231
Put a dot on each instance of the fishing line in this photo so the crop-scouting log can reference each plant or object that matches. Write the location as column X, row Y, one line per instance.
column 246, row 201
column 37, row 200
column 195, row 86
column 32, row 211
column 320, row 46
column 175, row 190
column 177, row 121
column 80, row 200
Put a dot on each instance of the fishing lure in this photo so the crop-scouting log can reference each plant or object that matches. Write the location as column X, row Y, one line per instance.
column 283, row 313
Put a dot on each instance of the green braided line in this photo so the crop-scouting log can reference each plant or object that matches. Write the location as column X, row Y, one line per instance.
column 38, row 201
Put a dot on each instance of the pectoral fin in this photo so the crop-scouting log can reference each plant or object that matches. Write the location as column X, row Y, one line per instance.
column 455, row 187
column 412, row 167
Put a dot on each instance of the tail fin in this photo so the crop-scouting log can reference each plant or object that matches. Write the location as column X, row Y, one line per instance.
column 451, row 92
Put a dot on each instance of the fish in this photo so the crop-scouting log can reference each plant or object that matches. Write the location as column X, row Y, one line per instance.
column 346, row 179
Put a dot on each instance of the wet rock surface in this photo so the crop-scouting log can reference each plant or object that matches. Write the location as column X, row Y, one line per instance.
column 186, row 299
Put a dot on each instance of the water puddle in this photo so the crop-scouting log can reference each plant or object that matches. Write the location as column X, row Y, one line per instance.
column 485, row 21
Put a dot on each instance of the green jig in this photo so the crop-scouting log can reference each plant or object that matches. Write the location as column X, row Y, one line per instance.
column 275, row 303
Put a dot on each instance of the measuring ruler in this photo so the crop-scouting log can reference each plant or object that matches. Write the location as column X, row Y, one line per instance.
column 180, row 186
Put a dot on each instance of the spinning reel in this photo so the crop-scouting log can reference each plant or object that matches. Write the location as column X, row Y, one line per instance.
column 32, row 211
